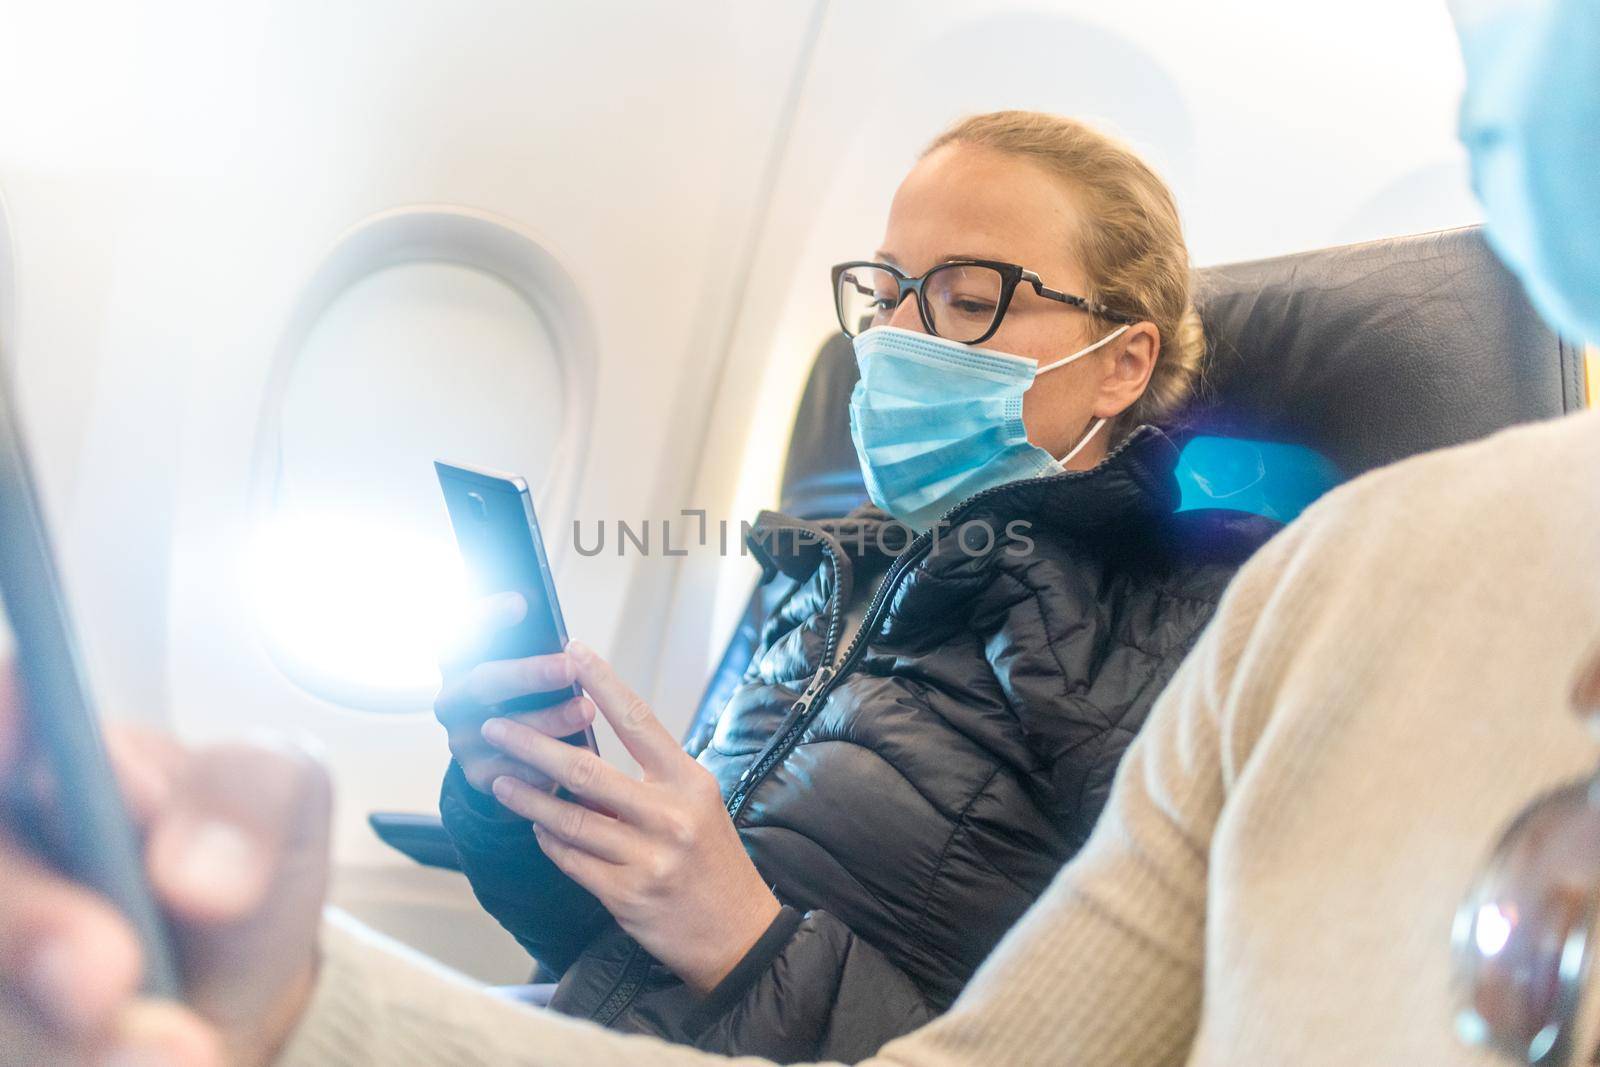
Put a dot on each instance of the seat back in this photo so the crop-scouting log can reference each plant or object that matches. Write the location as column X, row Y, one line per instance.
column 1366, row 353
column 1374, row 352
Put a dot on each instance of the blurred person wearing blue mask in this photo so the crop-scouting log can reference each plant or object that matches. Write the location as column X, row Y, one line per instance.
column 1277, row 876
column 1530, row 120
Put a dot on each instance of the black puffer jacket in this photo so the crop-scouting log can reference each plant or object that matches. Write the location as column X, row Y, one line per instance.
column 936, row 773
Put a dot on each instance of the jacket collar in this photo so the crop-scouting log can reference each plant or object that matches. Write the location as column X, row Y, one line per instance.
column 1130, row 492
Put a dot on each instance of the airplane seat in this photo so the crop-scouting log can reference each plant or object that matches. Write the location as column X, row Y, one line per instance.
column 1365, row 353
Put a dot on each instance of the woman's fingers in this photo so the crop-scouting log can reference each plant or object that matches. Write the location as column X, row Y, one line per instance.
column 573, row 767
column 593, row 873
column 481, row 763
column 597, row 834
column 628, row 713
column 476, row 693
column 480, row 773
column 569, row 717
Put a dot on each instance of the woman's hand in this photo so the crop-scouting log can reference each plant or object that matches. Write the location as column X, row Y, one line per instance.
column 668, row 864
column 235, row 844
column 472, row 695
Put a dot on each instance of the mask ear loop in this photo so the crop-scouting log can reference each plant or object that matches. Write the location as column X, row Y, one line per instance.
column 1100, row 424
column 1107, row 339
column 1096, row 428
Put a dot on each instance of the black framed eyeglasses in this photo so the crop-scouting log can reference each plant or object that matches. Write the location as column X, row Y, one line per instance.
column 963, row 300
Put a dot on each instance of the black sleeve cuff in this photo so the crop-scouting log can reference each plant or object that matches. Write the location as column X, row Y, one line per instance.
column 746, row 972
column 482, row 805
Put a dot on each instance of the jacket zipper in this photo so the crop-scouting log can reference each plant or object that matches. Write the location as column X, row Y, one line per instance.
column 804, row 709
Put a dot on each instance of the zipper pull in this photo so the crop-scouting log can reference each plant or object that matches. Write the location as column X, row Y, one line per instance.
column 818, row 680
column 813, row 687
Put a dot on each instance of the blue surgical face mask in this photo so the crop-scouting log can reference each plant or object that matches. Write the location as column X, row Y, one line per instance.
column 935, row 421
column 1531, row 122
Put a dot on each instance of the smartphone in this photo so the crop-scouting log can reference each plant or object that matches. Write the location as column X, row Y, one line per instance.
column 70, row 811
column 498, row 535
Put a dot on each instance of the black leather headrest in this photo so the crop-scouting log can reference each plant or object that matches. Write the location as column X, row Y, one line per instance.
column 1373, row 352
column 1367, row 353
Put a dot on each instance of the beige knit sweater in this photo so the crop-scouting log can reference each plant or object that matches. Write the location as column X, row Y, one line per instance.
column 1273, row 882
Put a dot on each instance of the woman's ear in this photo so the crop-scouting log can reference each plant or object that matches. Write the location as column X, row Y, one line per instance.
column 1133, row 360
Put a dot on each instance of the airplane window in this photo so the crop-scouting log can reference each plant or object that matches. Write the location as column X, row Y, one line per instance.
column 356, row 581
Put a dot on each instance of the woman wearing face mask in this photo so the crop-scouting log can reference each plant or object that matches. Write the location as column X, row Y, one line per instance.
column 925, row 735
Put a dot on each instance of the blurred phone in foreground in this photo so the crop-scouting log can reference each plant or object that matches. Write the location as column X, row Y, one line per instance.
column 63, row 798
column 498, row 535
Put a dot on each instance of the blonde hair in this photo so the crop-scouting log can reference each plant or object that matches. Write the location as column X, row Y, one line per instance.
column 1132, row 246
